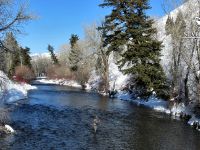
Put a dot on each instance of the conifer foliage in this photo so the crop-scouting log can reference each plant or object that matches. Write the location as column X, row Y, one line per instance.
column 13, row 57
column 26, row 58
column 75, row 53
column 53, row 56
column 129, row 27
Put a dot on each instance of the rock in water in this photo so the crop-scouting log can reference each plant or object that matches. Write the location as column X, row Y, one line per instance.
column 96, row 121
column 9, row 128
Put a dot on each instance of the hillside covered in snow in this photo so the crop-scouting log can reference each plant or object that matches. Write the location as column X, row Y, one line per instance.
column 190, row 11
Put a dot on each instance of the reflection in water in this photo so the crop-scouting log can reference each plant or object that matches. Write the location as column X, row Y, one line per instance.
column 60, row 96
column 103, row 103
column 58, row 117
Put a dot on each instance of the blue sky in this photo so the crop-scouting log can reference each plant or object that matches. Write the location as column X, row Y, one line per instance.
column 58, row 19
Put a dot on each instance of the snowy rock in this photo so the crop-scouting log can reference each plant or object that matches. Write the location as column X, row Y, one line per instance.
column 178, row 109
column 9, row 128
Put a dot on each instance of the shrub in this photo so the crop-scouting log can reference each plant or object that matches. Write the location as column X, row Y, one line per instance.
column 24, row 74
column 59, row 72
column 83, row 75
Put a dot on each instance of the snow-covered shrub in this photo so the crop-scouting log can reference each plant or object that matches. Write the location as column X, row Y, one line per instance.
column 24, row 74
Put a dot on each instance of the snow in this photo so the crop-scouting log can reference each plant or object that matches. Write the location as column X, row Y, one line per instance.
column 15, row 92
column 160, row 105
column 11, row 91
column 9, row 128
column 190, row 15
column 35, row 55
column 94, row 80
column 117, row 79
column 190, row 12
column 65, row 82
column 153, row 103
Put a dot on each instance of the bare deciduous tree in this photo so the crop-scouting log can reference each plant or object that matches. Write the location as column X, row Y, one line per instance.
column 12, row 17
column 40, row 65
column 95, row 41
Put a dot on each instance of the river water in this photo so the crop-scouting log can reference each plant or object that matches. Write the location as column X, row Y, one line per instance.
column 58, row 118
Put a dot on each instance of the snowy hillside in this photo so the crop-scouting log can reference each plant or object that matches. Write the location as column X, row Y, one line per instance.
column 190, row 11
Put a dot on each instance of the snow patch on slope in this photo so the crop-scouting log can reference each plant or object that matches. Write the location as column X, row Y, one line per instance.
column 189, row 11
column 10, row 91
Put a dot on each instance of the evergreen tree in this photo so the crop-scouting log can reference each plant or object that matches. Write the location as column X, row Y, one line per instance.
column 16, row 61
column 25, row 55
column 53, row 56
column 129, row 26
column 75, row 53
column 13, row 56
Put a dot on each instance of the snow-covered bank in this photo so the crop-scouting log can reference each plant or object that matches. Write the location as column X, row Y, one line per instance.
column 15, row 92
column 65, row 82
column 10, row 91
column 177, row 111
column 153, row 103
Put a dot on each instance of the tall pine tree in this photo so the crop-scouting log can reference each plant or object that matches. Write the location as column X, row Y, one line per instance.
column 75, row 53
column 26, row 58
column 128, row 26
column 53, row 55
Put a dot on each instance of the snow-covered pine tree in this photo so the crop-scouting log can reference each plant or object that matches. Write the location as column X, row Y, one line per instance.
column 129, row 26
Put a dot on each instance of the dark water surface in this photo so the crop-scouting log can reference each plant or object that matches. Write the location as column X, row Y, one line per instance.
column 58, row 118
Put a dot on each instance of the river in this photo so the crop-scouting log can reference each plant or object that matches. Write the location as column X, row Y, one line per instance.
column 59, row 117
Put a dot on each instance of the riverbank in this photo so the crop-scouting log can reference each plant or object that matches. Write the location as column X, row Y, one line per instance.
column 10, row 92
column 62, row 117
column 175, row 110
column 122, row 125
